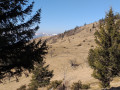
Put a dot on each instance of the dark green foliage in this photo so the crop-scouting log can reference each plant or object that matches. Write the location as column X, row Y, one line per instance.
column 23, row 87
column 117, row 16
column 17, row 28
column 105, row 58
column 54, row 84
column 85, row 86
column 102, row 21
column 41, row 76
column 78, row 86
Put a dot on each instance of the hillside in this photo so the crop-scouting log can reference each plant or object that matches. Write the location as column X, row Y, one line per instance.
column 64, row 49
column 73, row 47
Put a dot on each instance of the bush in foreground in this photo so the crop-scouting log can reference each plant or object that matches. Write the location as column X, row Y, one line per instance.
column 78, row 85
column 54, row 84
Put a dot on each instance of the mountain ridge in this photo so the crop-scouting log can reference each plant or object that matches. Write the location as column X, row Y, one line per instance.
column 37, row 35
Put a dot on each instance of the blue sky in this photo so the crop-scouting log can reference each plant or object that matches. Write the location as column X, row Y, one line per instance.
column 60, row 15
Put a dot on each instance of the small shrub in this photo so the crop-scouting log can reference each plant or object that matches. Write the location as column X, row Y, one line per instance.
column 23, row 87
column 92, row 46
column 85, row 86
column 79, row 44
column 93, row 26
column 77, row 27
column 64, row 47
column 90, row 30
column 83, row 40
column 61, row 87
column 78, row 85
column 54, row 84
column 62, row 35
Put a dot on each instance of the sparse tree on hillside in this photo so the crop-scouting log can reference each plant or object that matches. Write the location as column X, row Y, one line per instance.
column 105, row 58
column 77, row 27
column 102, row 21
column 93, row 25
column 17, row 28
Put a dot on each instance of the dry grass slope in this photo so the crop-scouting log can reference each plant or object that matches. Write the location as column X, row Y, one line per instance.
column 67, row 56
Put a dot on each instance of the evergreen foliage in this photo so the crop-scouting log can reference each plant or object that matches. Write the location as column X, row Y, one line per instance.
column 23, row 87
column 41, row 76
column 17, row 28
column 105, row 58
column 78, row 86
column 54, row 85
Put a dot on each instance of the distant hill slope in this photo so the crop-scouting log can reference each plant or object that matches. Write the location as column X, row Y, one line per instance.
column 67, row 56
column 89, row 28
column 72, row 47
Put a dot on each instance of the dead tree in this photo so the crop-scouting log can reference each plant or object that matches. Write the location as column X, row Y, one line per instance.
column 73, row 63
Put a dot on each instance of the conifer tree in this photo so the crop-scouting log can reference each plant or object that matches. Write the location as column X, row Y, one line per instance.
column 105, row 58
column 41, row 76
column 17, row 28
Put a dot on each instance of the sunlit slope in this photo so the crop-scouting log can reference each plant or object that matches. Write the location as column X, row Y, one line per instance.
column 67, row 56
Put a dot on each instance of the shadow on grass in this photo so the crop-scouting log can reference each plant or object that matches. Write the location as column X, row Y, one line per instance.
column 114, row 88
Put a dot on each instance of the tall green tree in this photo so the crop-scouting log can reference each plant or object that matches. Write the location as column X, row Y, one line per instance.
column 17, row 28
column 105, row 58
